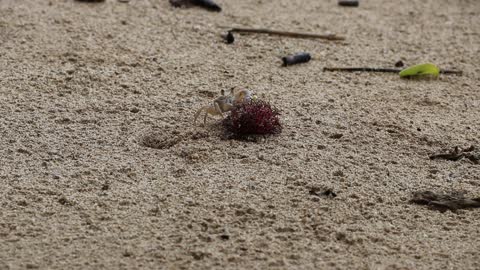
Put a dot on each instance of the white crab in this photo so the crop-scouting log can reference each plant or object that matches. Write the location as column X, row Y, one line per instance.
column 224, row 103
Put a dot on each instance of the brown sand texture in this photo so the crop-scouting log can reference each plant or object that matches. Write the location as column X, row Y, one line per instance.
column 83, row 86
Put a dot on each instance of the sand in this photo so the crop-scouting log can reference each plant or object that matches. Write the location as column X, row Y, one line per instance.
column 81, row 85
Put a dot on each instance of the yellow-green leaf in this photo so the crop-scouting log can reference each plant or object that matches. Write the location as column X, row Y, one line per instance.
column 420, row 70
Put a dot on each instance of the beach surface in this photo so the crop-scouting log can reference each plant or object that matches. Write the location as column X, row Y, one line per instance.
column 101, row 166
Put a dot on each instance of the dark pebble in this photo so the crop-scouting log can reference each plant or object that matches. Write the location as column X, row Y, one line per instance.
column 399, row 64
column 229, row 38
column 348, row 3
column 336, row 136
column 296, row 59
column 224, row 236
column 208, row 4
column 91, row 1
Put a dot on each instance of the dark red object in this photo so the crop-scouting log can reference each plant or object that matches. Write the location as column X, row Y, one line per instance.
column 253, row 118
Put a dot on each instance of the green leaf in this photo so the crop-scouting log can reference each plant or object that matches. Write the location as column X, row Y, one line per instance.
column 420, row 70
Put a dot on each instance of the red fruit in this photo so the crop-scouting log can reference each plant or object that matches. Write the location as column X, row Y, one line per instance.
column 253, row 118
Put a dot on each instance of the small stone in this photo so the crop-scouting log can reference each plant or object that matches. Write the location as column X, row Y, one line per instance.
column 23, row 151
column 63, row 201
column 296, row 59
column 340, row 236
column 229, row 38
column 105, row 186
column 338, row 173
column 336, row 136
column 225, row 237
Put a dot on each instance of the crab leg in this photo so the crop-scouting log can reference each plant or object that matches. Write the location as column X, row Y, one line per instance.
column 197, row 114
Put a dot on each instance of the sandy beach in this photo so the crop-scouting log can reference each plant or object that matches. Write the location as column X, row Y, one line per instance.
column 83, row 86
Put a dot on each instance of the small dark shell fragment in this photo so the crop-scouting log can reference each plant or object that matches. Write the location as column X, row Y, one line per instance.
column 229, row 38
column 399, row 63
column 348, row 3
column 208, row 4
column 296, row 59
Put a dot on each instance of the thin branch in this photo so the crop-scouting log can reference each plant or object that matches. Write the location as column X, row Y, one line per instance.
column 285, row 33
column 384, row 70
column 363, row 69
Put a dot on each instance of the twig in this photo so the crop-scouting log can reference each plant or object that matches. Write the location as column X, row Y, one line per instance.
column 452, row 201
column 455, row 72
column 457, row 153
column 364, row 69
column 285, row 33
column 384, row 70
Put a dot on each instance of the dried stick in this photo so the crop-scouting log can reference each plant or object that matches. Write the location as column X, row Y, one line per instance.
column 285, row 33
column 385, row 70
column 364, row 69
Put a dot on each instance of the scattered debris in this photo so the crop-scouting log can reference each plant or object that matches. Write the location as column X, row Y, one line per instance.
column 207, row 4
column 322, row 191
column 224, row 236
column 23, row 151
column 348, row 3
column 90, row 1
column 458, row 153
column 451, row 201
column 427, row 69
column 362, row 69
column 285, row 33
column 229, row 38
column 296, row 59
column 105, row 186
column 134, row 110
column 199, row 255
column 336, row 136
column 399, row 63
column 64, row 201
column 384, row 70
column 254, row 117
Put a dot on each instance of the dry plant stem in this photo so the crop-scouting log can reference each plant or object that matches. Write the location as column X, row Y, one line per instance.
column 285, row 33
column 384, row 70
column 457, row 153
column 452, row 201
column 364, row 69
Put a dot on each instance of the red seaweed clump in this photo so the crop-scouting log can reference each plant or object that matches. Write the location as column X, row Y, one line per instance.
column 254, row 117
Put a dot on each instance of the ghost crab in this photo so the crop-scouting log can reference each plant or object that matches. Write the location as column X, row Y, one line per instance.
column 224, row 103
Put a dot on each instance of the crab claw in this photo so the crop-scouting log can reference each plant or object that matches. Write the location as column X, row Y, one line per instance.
column 244, row 95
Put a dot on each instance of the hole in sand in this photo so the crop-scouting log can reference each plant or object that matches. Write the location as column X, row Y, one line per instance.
column 159, row 140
